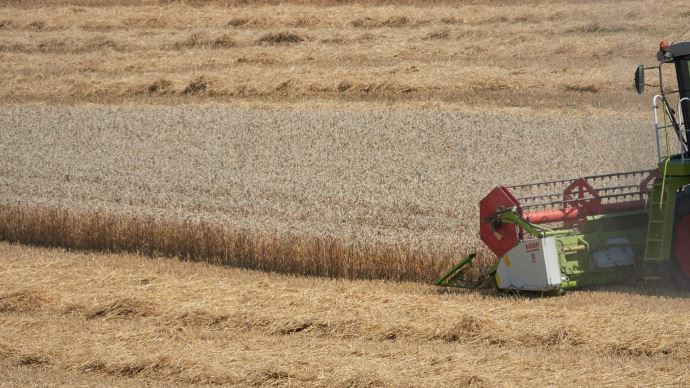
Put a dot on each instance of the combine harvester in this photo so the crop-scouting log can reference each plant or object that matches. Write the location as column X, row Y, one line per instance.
column 597, row 229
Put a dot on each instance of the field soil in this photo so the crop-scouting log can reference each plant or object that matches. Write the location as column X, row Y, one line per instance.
column 74, row 318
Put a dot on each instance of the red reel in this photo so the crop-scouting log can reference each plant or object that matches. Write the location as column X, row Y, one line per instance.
column 499, row 237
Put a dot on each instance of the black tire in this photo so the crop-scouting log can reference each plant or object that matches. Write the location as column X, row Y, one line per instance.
column 678, row 274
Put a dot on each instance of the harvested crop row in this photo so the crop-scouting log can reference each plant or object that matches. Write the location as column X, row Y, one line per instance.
column 135, row 319
column 289, row 53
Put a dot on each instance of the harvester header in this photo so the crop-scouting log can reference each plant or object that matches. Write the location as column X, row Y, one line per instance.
column 504, row 209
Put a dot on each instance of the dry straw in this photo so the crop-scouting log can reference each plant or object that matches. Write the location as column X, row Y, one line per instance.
column 416, row 52
column 214, row 243
column 127, row 317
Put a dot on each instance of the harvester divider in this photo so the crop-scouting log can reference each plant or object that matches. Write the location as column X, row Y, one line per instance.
column 465, row 274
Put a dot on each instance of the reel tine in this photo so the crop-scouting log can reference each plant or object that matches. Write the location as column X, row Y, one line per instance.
column 620, row 187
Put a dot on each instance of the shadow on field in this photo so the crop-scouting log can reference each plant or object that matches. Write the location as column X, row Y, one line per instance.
column 661, row 289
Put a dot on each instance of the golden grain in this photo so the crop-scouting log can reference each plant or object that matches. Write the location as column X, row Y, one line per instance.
column 213, row 243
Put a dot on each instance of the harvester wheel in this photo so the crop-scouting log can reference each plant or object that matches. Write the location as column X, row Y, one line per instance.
column 680, row 270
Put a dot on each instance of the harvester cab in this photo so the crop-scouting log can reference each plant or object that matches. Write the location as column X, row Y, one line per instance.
column 554, row 235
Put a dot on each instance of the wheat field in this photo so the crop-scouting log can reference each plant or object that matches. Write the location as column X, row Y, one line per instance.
column 365, row 194
column 258, row 193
